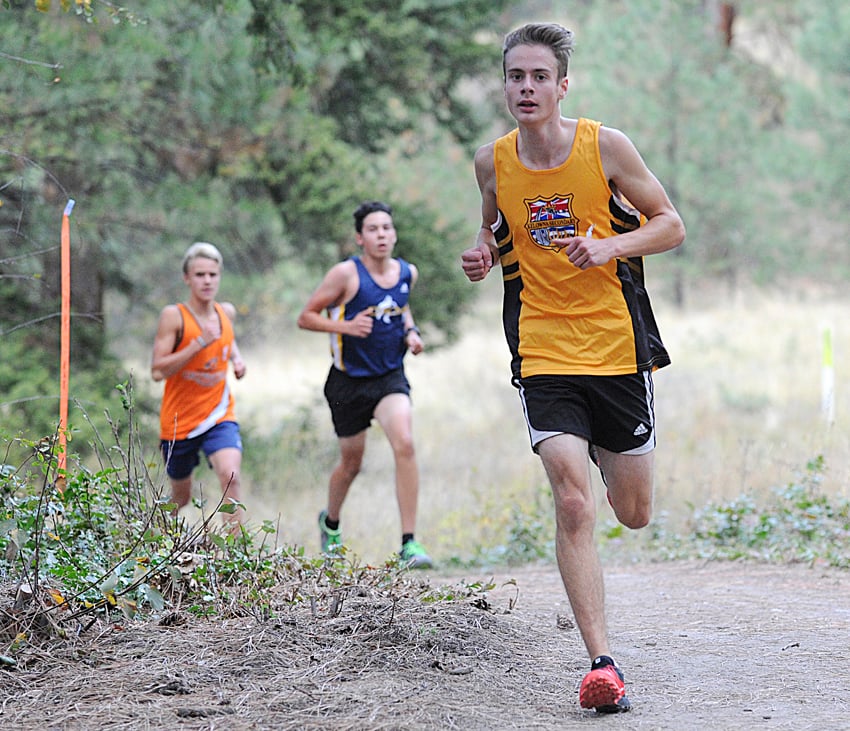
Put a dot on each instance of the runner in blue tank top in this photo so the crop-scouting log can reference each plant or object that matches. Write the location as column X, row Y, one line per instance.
column 383, row 351
column 371, row 328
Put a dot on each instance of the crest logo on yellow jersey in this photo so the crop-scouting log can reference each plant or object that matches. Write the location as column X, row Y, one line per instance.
column 551, row 218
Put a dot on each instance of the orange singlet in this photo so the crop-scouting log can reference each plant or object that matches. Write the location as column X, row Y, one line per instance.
column 197, row 397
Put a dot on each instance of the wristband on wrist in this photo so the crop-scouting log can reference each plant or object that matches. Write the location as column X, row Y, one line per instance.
column 200, row 341
column 413, row 329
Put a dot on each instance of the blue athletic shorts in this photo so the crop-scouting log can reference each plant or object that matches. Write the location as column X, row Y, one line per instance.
column 182, row 456
column 353, row 400
column 616, row 413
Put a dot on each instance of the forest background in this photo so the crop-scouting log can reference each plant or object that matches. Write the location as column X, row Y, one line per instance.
column 259, row 126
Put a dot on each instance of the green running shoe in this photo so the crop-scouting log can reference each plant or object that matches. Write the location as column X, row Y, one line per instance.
column 329, row 540
column 414, row 556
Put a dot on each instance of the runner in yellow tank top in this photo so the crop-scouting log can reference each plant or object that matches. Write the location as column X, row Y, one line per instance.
column 192, row 350
column 576, row 316
column 571, row 321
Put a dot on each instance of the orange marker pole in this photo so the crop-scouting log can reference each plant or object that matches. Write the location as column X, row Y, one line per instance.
column 65, row 340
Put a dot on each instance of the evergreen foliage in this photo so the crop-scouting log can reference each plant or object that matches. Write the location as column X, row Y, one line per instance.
column 260, row 125
column 199, row 127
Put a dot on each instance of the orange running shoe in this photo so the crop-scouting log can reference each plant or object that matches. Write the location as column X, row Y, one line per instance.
column 603, row 688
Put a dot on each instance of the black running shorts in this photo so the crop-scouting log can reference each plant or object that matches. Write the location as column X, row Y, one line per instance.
column 616, row 413
column 353, row 400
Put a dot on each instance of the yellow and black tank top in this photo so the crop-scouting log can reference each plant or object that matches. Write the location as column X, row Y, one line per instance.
column 558, row 319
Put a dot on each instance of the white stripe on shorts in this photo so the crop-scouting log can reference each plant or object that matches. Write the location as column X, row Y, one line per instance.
column 538, row 435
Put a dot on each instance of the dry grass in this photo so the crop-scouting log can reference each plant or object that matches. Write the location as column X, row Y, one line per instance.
column 512, row 660
column 354, row 656
column 306, row 669
column 738, row 411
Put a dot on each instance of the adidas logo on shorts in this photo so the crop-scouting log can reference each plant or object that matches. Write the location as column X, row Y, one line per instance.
column 641, row 429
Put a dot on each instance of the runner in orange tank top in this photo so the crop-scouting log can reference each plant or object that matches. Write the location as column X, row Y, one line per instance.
column 192, row 350
column 569, row 210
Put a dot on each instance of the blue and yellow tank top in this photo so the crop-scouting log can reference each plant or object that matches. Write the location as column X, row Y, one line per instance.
column 383, row 351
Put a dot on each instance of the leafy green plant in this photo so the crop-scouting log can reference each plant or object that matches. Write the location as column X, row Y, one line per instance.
column 86, row 543
column 797, row 522
column 528, row 535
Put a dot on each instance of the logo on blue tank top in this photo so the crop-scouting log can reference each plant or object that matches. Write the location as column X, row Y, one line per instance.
column 386, row 309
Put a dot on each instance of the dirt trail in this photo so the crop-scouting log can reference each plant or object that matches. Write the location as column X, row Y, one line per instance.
column 704, row 646
column 717, row 645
